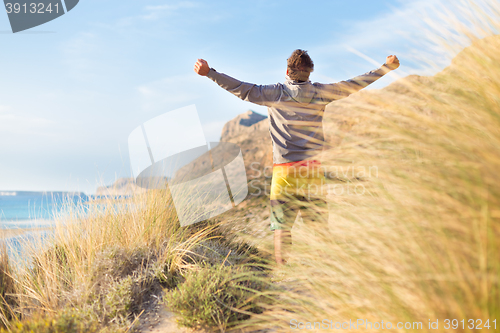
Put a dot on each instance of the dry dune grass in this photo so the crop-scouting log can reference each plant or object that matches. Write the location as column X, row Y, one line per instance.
column 107, row 267
column 102, row 267
column 416, row 239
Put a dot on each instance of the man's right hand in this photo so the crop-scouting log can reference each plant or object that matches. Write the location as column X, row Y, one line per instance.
column 392, row 62
column 201, row 67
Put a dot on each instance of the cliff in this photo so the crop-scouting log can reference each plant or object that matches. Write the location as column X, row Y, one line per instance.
column 245, row 123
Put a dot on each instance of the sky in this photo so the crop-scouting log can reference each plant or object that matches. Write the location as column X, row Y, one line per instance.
column 72, row 90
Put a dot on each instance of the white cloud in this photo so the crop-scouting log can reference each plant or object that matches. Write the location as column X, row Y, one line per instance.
column 426, row 34
column 389, row 33
column 15, row 123
column 155, row 12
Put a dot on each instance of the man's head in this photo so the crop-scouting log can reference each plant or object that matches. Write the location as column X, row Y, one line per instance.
column 299, row 66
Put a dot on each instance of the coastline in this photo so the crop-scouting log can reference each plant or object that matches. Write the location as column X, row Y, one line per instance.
column 16, row 228
column 16, row 232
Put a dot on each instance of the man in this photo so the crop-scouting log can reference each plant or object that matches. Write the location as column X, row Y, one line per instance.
column 296, row 110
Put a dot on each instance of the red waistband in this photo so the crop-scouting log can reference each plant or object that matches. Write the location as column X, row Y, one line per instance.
column 300, row 163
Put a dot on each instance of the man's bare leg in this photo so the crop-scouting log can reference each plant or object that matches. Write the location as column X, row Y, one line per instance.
column 282, row 244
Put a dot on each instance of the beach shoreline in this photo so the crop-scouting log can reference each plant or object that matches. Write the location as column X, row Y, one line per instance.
column 16, row 232
column 16, row 228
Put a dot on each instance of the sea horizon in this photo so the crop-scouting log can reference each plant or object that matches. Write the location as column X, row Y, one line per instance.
column 31, row 216
column 29, row 209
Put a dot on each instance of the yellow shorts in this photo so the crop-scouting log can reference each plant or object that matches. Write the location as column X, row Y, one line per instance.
column 297, row 186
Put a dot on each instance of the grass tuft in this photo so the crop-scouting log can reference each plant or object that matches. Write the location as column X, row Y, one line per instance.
column 217, row 297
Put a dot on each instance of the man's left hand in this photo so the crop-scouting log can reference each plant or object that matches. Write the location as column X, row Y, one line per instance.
column 392, row 62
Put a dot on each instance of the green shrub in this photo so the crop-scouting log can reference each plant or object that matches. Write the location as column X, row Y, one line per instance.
column 118, row 300
column 216, row 297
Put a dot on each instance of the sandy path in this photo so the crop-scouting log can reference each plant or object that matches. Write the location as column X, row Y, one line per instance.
column 158, row 319
column 163, row 321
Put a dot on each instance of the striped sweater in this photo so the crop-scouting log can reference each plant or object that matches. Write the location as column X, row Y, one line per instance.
column 295, row 109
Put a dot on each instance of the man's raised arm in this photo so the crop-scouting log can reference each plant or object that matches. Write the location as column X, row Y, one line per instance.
column 257, row 94
column 335, row 91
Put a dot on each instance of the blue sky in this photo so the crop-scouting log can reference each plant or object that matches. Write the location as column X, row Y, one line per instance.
column 72, row 90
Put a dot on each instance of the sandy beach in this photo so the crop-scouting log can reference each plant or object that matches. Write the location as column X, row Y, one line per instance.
column 18, row 228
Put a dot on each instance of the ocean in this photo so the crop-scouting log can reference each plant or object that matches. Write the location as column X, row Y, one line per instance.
column 29, row 215
column 19, row 209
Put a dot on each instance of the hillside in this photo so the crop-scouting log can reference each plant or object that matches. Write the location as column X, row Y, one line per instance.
column 121, row 187
column 247, row 123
